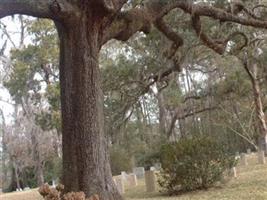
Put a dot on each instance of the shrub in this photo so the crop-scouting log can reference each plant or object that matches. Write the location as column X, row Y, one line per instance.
column 192, row 164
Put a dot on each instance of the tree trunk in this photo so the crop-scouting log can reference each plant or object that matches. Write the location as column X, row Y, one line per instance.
column 162, row 114
column 85, row 154
column 16, row 174
column 4, row 176
column 259, row 111
column 259, row 108
column 36, row 156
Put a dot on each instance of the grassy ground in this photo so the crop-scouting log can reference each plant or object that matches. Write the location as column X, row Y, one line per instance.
column 251, row 184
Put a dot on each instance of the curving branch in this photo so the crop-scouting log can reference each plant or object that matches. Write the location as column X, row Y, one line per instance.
column 128, row 23
column 241, row 46
column 257, row 7
column 217, row 46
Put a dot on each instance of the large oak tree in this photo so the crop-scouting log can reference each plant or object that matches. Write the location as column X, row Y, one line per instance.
column 84, row 26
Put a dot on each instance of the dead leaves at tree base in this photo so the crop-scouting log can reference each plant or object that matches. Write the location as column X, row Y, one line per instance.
column 56, row 194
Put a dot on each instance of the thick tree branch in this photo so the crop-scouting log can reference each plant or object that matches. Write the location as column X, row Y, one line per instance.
column 126, row 24
column 218, row 47
column 138, row 19
column 37, row 8
column 52, row 9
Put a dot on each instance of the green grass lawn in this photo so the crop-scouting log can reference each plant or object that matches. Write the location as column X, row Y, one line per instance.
column 251, row 184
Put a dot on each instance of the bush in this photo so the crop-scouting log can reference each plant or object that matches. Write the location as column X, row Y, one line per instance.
column 192, row 164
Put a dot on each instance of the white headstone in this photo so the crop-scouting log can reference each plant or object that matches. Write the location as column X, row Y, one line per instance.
column 124, row 176
column 132, row 180
column 120, row 185
column 152, row 168
column 150, row 180
column 53, row 183
column 261, row 157
column 157, row 166
column 243, row 159
column 139, row 172
column 26, row 189
column 234, row 172
column 248, row 151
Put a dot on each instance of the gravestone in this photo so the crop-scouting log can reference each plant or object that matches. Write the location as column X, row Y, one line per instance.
column 233, row 172
column 132, row 180
column 150, row 180
column 139, row 172
column 26, row 188
column 243, row 159
column 53, row 183
column 237, row 155
column 248, row 151
column 120, row 184
column 124, row 176
column 157, row 166
column 261, row 157
column 152, row 168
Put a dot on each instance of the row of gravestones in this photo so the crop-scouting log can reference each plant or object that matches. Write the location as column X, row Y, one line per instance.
column 130, row 179
column 138, row 173
column 244, row 161
column 28, row 188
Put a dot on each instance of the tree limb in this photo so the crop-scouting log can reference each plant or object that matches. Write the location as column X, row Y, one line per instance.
column 52, row 9
column 178, row 116
column 139, row 19
column 218, row 47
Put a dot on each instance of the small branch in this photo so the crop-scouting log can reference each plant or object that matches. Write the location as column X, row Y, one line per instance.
column 3, row 27
column 177, row 116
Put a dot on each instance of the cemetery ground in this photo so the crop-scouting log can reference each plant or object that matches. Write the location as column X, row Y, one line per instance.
column 250, row 184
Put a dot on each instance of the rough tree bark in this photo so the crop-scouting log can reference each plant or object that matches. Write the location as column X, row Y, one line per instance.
column 85, row 157
column 84, row 26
